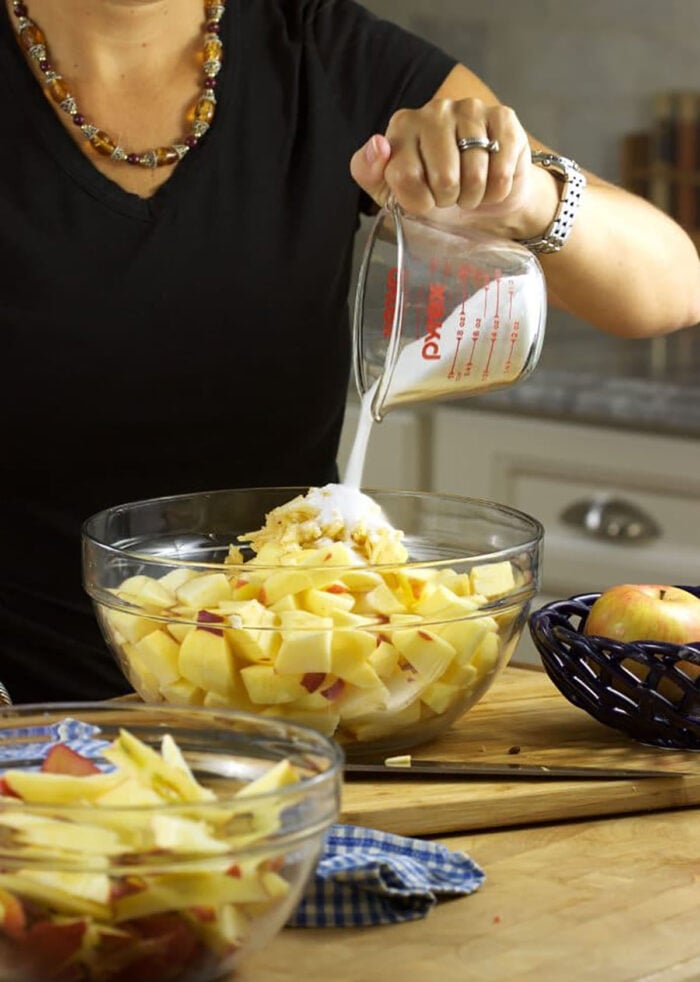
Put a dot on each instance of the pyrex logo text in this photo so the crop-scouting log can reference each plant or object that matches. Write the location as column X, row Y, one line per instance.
column 434, row 316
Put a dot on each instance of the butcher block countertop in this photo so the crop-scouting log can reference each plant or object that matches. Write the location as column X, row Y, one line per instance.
column 590, row 881
column 612, row 900
column 523, row 718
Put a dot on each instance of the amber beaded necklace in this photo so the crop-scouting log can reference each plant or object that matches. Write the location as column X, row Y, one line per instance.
column 201, row 115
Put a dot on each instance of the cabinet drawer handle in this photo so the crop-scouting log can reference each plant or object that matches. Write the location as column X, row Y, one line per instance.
column 612, row 519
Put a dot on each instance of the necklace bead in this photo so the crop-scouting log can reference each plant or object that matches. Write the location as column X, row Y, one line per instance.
column 33, row 41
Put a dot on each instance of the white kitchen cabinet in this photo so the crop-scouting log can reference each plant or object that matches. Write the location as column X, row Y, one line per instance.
column 617, row 505
column 396, row 453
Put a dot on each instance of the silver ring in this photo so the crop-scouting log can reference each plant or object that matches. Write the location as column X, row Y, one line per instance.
column 4, row 696
column 478, row 143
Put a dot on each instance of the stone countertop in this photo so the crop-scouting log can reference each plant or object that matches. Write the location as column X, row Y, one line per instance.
column 649, row 386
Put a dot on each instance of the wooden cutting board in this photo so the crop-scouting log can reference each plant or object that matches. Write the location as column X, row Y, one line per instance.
column 523, row 710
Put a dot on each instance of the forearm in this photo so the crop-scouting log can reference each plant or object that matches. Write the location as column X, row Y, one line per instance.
column 626, row 268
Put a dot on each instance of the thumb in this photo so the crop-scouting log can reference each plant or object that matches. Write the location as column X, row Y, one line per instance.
column 367, row 167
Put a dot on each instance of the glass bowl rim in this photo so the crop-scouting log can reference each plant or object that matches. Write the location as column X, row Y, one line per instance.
column 530, row 525
column 317, row 742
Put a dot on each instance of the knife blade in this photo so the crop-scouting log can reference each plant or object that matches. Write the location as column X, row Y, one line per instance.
column 440, row 768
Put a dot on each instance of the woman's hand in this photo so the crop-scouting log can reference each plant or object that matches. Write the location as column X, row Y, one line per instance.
column 602, row 273
column 419, row 162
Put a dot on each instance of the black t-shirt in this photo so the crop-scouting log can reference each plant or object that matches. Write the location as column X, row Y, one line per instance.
column 194, row 340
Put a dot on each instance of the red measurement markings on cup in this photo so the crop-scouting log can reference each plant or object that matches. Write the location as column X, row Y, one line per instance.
column 463, row 288
column 481, row 281
column 515, row 326
column 495, row 326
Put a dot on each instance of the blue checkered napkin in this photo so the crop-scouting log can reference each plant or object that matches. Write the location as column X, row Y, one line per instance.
column 366, row 877
column 78, row 736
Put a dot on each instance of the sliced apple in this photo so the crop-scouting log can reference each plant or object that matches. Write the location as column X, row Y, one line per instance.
column 167, row 774
column 61, row 759
column 57, row 789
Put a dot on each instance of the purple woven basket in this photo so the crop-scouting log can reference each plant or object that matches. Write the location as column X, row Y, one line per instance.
column 649, row 690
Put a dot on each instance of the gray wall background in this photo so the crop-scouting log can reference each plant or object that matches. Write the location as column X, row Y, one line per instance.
column 580, row 75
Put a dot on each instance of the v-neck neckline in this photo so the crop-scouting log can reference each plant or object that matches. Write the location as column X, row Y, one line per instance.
column 60, row 145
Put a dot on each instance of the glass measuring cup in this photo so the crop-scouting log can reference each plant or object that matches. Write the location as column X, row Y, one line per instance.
column 443, row 312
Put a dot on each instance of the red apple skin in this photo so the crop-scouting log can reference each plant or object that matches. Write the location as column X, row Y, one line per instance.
column 12, row 918
column 62, row 760
column 645, row 612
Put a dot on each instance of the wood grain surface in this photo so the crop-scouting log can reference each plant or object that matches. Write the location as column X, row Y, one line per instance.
column 523, row 711
column 612, row 900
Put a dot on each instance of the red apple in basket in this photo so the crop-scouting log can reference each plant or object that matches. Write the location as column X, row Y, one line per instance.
column 645, row 612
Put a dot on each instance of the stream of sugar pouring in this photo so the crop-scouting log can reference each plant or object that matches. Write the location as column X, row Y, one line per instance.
column 356, row 461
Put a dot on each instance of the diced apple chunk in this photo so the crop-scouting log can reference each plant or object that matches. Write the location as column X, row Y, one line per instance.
column 492, row 579
column 306, row 643
column 206, row 590
column 441, row 603
column 206, row 661
column 439, row 696
column 350, row 658
column 325, row 603
column 266, row 687
column 251, row 630
column 428, row 653
column 176, row 578
column 140, row 675
column 131, row 627
column 179, row 630
column 183, row 693
column 145, row 591
column 160, row 653
column 486, row 655
column 381, row 600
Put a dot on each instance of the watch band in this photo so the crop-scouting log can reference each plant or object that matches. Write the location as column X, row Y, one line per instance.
column 573, row 182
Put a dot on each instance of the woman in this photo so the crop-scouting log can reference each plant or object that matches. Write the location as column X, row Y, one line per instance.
column 183, row 326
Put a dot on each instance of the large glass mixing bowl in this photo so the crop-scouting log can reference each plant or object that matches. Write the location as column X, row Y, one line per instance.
column 381, row 657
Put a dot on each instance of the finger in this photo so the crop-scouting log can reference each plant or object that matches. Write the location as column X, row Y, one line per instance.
column 437, row 147
column 405, row 172
column 368, row 165
column 494, row 170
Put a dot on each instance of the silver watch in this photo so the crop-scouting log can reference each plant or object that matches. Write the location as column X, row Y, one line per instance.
column 573, row 182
